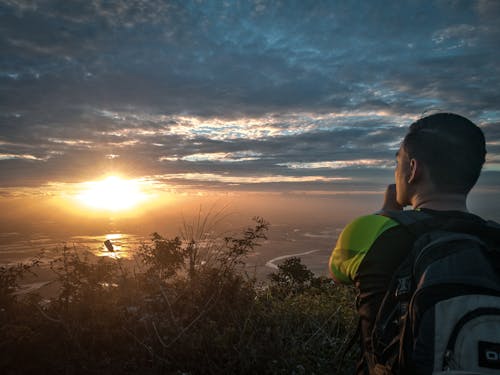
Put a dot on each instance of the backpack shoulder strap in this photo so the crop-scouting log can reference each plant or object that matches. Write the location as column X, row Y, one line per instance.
column 417, row 222
column 492, row 224
column 492, row 231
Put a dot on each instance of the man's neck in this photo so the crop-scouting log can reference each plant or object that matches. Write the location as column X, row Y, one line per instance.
column 441, row 202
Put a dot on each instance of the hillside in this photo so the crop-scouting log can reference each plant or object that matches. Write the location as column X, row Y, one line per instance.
column 184, row 309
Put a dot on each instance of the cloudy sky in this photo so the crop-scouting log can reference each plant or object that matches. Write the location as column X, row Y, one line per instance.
column 262, row 96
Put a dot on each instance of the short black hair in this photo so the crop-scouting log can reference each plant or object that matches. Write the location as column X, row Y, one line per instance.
column 451, row 147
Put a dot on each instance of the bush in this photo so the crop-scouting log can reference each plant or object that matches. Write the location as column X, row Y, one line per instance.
column 9, row 280
column 188, row 309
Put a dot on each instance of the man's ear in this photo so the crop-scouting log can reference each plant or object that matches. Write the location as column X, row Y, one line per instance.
column 415, row 171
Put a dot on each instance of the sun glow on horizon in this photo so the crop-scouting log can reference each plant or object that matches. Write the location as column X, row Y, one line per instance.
column 113, row 194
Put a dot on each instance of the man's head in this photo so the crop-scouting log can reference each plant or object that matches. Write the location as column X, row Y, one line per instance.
column 448, row 148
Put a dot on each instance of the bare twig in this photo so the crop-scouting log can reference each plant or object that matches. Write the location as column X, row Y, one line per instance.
column 165, row 296
column 44, row 314
column 145, row 346
column 205, row 309
column 322, row 326
column 158, row 335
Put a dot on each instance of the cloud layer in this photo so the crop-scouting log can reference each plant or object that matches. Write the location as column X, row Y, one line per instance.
column 258, row 95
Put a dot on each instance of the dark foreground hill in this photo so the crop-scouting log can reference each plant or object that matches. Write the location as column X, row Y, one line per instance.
column 187, row 307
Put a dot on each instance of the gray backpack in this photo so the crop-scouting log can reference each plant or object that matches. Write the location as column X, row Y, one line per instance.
column 441, row 313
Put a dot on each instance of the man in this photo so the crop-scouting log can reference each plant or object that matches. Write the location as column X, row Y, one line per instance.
column 438, row 163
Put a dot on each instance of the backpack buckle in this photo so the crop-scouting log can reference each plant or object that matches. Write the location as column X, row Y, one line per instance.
column 404, row 286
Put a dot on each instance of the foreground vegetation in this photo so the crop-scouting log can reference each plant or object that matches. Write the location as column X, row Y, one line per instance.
column 186, row 307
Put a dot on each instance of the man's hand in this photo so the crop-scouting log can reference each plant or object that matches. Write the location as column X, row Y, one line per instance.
column 390, row 202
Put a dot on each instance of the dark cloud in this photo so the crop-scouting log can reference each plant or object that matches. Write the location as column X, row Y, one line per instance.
column 234, row 88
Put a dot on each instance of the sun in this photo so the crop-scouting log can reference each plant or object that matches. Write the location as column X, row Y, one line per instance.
column 112, row 194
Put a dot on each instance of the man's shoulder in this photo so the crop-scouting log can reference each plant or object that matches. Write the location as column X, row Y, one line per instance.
column 354, row 243
column 360, row 233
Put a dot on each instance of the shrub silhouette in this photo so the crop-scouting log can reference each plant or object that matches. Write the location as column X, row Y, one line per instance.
column 186, row 307
column 292, row 275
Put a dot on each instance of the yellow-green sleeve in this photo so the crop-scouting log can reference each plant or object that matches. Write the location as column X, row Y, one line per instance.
column 353, row 244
